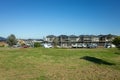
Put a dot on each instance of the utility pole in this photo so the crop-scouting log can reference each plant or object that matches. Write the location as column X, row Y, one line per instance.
column 61, row 40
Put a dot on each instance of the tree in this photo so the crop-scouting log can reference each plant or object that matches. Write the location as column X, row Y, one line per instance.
column 55, row 41
column 116, row 41
column 11, row 40
column 37, row 44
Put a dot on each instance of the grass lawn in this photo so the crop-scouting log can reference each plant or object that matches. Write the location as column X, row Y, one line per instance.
column 59, row 64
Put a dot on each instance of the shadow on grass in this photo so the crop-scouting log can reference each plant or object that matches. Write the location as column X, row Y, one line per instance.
column 118, row 48
column 117, row 53
column 96, row 60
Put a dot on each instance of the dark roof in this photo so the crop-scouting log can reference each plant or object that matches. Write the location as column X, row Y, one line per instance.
column 73, row 36
column 64, row 36
column 84, row 36
column 50, row 36
column 94, row 36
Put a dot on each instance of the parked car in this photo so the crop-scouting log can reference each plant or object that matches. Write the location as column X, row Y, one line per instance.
column 92, row 45
column 109, row 45
column 47, row 46
column 79, row 45
column 25, row 46
column 113, row 46
column 74, row 45
column 84, row 45
column 16, row 46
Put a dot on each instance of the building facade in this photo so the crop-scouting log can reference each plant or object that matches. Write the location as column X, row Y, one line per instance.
column 73, row 40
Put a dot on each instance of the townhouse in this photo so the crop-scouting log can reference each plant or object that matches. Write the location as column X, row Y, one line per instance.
column 73, row 40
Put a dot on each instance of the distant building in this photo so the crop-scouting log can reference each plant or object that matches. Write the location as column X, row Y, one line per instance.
column 50, row 38
column 94, row 39
column 3, row 44
column 68, row 41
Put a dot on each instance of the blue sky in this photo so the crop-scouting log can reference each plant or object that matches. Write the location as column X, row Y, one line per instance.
column 38, row 18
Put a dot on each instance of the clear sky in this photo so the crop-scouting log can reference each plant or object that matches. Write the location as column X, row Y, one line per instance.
column 38, row 18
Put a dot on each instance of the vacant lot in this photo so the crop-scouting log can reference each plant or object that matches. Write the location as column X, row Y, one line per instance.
column 59, row 64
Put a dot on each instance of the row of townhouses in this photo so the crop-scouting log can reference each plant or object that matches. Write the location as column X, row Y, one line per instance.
column 68, row 41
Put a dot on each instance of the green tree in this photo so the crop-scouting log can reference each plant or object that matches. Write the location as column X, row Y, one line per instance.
column 55, row 42
column 37, row 44
column 116, row 41
column 11, row 40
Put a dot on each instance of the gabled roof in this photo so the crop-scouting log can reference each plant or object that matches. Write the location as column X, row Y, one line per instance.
column 73, row 36
column 50, row 36
column 63, row 36
column 94, row 36
column 84, row 36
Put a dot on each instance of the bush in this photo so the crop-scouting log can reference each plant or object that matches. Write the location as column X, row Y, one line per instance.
column 116, row 41
column 37, row 44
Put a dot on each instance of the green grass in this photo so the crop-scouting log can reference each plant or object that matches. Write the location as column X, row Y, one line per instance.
column 59, row 64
